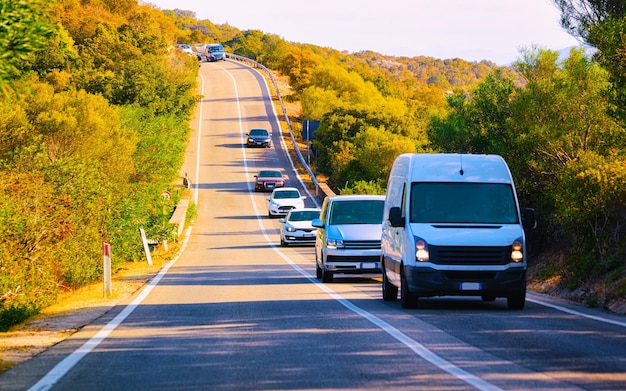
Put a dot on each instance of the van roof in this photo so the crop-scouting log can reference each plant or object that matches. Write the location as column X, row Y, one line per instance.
column 454, row 167
column 356, row 197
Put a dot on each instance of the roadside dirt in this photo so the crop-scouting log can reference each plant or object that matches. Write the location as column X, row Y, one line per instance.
column 73, row 311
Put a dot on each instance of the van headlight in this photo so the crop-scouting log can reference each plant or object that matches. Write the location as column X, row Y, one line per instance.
column 517, row 253
column 334, row 243
column 421, row 250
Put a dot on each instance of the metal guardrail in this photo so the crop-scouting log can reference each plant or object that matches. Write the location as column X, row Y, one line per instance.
column 254, row 64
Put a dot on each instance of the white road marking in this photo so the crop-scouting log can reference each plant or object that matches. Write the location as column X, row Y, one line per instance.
column 577, row 313
column 63, row 367
column 415, row 346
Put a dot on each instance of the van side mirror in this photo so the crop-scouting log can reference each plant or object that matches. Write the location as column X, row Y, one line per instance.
column 529, row 221
column 395, row 217
column 317, row 223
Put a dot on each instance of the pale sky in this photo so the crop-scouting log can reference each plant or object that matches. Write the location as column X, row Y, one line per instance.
column 473, row 30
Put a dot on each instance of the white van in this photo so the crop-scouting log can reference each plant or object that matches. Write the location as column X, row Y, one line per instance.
column 348, row 235
column 216, row 52
column 452, row 226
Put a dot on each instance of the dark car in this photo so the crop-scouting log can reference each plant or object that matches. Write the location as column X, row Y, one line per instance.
column 268, row 180
column 259, row 137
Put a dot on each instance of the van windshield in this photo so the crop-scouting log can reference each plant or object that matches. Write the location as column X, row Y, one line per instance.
column 478, row 203
column 356, row 212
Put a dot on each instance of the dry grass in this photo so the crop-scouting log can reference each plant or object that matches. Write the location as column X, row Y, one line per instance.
column 77, row 308
column 294, row 113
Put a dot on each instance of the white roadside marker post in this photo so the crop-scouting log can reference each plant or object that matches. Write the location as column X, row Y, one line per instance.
column 146, row 246
column 106, row 251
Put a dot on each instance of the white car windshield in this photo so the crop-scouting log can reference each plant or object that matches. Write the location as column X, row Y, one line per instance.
column 258, row 132
column 304, row 215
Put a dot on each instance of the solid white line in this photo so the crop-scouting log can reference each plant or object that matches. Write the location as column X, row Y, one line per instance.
column 415, row 346
column 63, row 367
column 197, row 177
column 284, row 144
column 577, row 313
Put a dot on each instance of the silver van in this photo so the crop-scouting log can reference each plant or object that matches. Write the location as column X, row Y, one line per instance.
column 452, row 226
column 348, row 235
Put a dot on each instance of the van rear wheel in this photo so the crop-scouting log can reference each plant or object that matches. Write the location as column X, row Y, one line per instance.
column 407, row 299
column 390, row 291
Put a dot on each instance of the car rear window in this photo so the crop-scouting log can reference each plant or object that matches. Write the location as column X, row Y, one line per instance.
column 286, row 194
column 270, row 174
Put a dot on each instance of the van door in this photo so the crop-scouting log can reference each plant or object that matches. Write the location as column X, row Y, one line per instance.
column 394, row 231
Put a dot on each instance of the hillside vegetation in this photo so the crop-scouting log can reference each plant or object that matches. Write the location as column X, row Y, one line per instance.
column 559, row 124
column 96, row 101
column 92, row 132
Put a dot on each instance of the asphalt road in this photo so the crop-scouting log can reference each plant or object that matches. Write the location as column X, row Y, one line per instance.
column 238, row 312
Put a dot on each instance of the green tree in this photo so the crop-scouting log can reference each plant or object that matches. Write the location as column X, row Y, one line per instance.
column 602, row 24
column 24, row 30
column 477, row 122
column 299, row 65
column 33, row 224
column 376, row 150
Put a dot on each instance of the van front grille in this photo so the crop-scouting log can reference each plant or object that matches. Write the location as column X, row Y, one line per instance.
column 355, row 259
column 469, row 255
column 361, row 244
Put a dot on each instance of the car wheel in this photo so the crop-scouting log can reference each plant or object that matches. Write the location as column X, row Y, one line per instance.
column 390, row 291
column 318, row 271
column 327, row 276
column 407, row 299
column 517, row 301
column 283, row 243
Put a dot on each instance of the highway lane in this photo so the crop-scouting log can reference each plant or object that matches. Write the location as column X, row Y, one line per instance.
column 238, row 312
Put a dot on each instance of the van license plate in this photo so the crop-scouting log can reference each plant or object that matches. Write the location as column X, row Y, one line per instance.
column 471, row 286
column 373, row 265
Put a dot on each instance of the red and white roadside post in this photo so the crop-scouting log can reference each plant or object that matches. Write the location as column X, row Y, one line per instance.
column 106, row 252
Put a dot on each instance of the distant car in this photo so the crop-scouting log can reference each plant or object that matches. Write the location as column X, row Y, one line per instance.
column 283, row 200
column 259, row 137
column 185, row 48
column 268, row 180
column 297, row 228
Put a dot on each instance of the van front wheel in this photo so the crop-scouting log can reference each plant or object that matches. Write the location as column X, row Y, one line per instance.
column 407, row 299
column 516, row 301
column 318, row 271
column 327, row 276
column 390, row 291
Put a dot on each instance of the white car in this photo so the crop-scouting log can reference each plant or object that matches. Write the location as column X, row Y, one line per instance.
column 283, row 200
column 297, row 228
